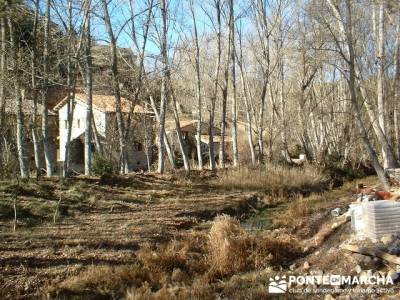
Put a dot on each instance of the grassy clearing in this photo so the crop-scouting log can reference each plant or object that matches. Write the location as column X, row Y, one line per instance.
column 197, row 266
column 132, row 239
column 275, row 179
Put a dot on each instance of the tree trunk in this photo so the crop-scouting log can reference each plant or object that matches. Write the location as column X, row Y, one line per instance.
column 233, row 83
column 247, row 106
column 163, row 105
column 396, row 88
column 116, row 89
column 89, row 91
column 35, row 135
column 198, row 87
column 178, row 129
column 71, row 90
column 45, row 112
column 222, row 155
column 167, row 145
column 19, row 95
column 3, row 71
column 381, row 77
column 211, row 148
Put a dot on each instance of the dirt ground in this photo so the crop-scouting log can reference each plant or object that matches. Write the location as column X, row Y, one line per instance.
column 98, row 224
column 161, row 224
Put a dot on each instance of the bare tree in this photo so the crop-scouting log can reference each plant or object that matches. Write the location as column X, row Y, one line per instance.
column 198, row 85
column 116, row 89
column 18, row 94
column 233, row 84
column 3, row 70
column 246, row 100
column 163, row 105
column 348, row 55
column 89, row 91
column 35, row 134
column 396, row 88
column 45, row 112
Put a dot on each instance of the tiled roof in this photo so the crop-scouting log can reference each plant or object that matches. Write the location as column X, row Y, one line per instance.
column 105, row 103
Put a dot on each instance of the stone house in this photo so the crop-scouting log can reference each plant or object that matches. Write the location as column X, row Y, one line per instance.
column 139, row 138
column 189, row 135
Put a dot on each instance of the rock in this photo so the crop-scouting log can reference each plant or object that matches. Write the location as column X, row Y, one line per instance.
column 329, row 297
column 394, row 248
column 393, row 274
column 387, row 239
column 358, row 269
column 306, row 265
column 316, row 253
column 292, row 267
column 370, row 263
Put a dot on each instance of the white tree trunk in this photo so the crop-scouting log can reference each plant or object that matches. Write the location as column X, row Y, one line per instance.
column 233, row 84
column 89, row 91
column 198, row 86
column 45, row 113
column 163, row 105
column 381, row 77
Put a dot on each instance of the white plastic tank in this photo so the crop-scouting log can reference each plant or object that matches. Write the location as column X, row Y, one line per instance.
column 380, row 218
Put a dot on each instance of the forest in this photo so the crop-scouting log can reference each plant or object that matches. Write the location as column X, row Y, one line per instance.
column 142, row 139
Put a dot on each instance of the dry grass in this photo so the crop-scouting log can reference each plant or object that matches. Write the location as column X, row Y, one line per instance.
column 275, row 179
column 198, row 266
column 178, row 258
column 102, row 281
column 233, row 250
column 301, row 208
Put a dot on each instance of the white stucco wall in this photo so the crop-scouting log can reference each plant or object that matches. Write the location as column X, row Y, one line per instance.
column 79, row 118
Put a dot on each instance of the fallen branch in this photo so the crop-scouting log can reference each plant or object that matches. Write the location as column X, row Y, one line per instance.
column 372, row 252
column 326, row 231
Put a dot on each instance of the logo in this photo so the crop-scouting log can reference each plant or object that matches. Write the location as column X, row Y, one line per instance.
column 277, row 285
column 326, row 283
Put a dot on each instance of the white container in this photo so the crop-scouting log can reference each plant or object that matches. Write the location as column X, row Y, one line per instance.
column 302, row 156
column 380, row 218
column 357, row 220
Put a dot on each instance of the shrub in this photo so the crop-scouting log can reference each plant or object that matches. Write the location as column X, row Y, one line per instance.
column 101, row 166
column 233, row 250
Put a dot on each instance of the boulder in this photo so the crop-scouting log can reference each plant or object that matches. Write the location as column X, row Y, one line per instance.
column 306, row 265
column 358, row 269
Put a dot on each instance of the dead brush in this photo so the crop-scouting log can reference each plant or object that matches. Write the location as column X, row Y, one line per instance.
column 186, row 255
column 98, row 281
column 233, row 250
column 198, row 290
column 296, row 210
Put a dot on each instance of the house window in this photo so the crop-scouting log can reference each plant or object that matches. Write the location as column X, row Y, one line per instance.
column 79, row 123
column 66, row 124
